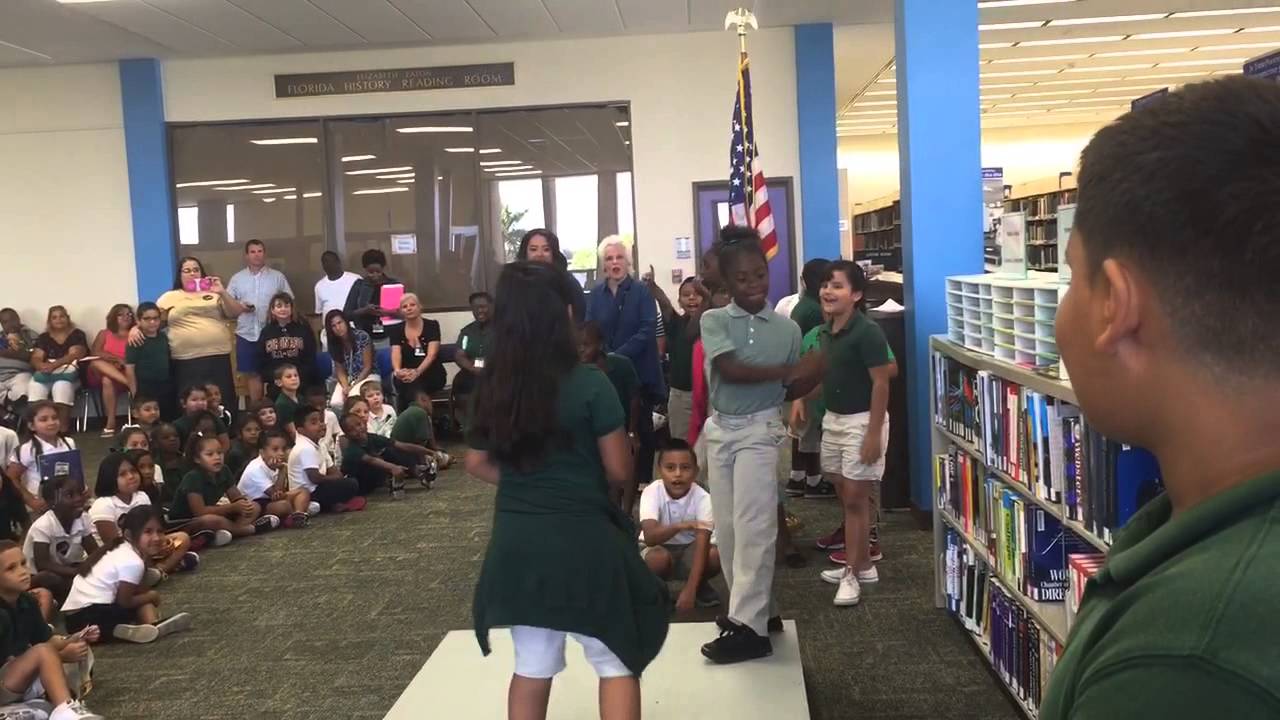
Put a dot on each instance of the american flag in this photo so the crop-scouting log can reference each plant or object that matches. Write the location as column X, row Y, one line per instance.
column 748, row 196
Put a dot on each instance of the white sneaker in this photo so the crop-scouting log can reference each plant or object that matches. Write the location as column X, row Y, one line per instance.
column 152, row 577
column 177, row 623
column 34, row 710
column 222, row 537
column 73, row 710
column 869, row 576
column 835, row 574
column 313, row 508
column 134, row 634
column 849, row 592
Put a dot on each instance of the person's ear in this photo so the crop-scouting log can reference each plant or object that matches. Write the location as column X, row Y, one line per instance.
column 1119, row 290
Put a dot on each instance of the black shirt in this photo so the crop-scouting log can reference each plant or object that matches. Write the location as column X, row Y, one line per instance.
column 21, row 626
column 412, row 355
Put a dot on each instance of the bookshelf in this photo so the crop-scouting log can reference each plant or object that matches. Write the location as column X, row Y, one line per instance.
column 879, row 233
column 1042, row 224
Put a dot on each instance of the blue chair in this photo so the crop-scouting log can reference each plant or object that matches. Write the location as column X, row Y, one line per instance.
column 324, row 366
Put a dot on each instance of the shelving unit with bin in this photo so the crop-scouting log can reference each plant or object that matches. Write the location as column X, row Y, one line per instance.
column 1010, row 319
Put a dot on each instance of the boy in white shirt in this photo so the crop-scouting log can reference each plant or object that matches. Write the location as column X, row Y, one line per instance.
column 676, row 527
column 382, row 417
column 60, row 539
column 260, row 482
column 313, row 471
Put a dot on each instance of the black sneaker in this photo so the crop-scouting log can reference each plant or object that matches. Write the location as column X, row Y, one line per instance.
column 706, row 596
column 822, row 491
column 774, row 626
column 795, row 488
column 737, row 644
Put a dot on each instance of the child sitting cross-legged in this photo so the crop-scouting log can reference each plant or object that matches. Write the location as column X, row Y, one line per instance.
column 195, row 502
column 316, row 397
column 146, row 412
column 213, row 403
column 265, row 411
column 166, row 453
column 108, row 591
column 119, row 490
column 382, row 417
column 246, row 440
column 195, row 404
column 313, row 471
column 32, row 655
column 375, row 461
column 133, row 438
column 676, row 525
column 414, row 425
column 60, row 539
column 263, row 483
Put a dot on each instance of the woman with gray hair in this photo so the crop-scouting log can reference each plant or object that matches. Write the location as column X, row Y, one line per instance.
column 415, row 352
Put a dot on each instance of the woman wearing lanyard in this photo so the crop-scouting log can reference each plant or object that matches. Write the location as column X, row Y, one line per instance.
column 415, row 352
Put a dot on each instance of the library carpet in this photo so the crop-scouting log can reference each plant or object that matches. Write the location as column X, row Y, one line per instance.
column 336, row 620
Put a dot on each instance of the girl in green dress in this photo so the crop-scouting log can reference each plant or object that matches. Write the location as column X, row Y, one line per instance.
column 562, row 558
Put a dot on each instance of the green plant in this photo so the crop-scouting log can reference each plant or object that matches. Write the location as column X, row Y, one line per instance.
column 511, row 231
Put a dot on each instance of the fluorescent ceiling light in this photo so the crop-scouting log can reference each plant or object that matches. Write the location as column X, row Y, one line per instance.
column 275, row 190
column 995, row 97
column 1235, row 11
column 353, row 158
column 247, row 187
column 1018, row 73
column 517, row 167
column 490, row 151
column 872, row 112
column 1053, row 93
column 1107, row 19
column 435, row 129
column 290, row 197
column 269, row 199
column 410, row 180
column 994, row 45
column 1078, row 109
column 1152, row 51
column 1135, row 87
column 1267, row 28
column 865, row 121
column 1012, row 25
column 491, row 163
column 79, row 2
column 459, row 150
column 286, row 141
column 1078, row 81
column 865, row 103
column 1234, row 46
column 622, row 123
column 1192, row 63
column 1042, row 58
column 626, row 142
column 517, row 174
column 1017, row 3
column 210, row 183
column 379, row 191
column 312, row 195
column 887, row 80
column 395, row 176
column 1033, row 103
column 1109, row 98
column 1111, row 68
column 1072, row 41
column 1183, row 33
column 996, row 86
column 881, row 92
column 1164, row 75
column 375, row 171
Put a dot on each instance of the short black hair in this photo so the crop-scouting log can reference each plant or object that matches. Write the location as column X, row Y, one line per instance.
column 812, row 275
column 737, row 242
column 853, row 272
column 348, row 420
column 189, row 390
column 137, row 401
column 253, row 242
column 1185, row 189
column 313, row 391
column 272, row 434
column 304, row 412
column 478, row 295
column 373, row 257
column 142, row 307
column 330, row 253
column 677, row 445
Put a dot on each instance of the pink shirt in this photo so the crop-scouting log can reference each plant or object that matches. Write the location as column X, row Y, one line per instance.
column 698, row 413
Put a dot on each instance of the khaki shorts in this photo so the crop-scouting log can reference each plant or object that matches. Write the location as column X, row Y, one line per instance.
column 842, row 442
column 681, row 558
column 810, row 439
column 8, row 697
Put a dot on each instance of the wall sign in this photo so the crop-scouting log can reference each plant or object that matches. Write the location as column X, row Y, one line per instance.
column 1066, row 221
column 1149, row 99
column 1013, row 245
column 1266, row 66
column 355, row 82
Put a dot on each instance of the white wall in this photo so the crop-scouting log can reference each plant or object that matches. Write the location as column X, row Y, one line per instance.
column 1026, row 153
column 66, row 235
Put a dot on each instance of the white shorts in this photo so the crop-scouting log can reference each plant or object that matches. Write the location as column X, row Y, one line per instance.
column 842, row 442
column 540, row 653
column 63, row 392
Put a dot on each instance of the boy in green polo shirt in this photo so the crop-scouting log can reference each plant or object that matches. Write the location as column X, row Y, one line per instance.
column 621, row 373
column 415, row 426
column 147, row 365
column 1169, row 333
column 287, row 402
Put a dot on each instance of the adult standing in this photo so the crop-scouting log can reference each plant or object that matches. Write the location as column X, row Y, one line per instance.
column 253, row 287
column 543, row 246
column 107, row 372
column 332, row 289
column 415, row 352
column 196, row 311
column 16, row 343
column 362, row 307
column 627, row 313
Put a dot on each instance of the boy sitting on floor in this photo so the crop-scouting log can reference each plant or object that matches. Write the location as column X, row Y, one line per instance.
column 675, row 527
column 60, row 539
column 375, row 461
column 414, row 425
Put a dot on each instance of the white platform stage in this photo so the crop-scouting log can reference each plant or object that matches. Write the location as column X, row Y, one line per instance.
column 457, row 682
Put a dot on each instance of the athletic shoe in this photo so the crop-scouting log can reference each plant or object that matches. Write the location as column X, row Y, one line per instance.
column 839, row 557
column 201, row 539
column 795, row 488
column 190, row 561
column 151, row 577
column 177, row 623
column 773, row 627
column 313, row 508
column 35, row 710
column 355, row 504
column 834, row 541
column 849, row 592
column 397, row 488
column 775, row 624
column 874, row 552
column 73, row 710
column 222, row 538
column 135, row 633
column 865, row 577
column 266, row 523
column 297, row 520
column 822, row 491
column 737, row 644
column 706, row 596
column 869, row 576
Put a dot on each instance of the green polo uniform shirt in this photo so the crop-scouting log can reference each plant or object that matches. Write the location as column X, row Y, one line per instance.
column 1181, row 622
column 680, row 339
column 209, row 487
column 765, row 338
column 21, row 626
column 413, row 426
column 286, row 408
column 184, row 423
column 851, row 352
column 353, row 457
column 150, row 360
column 807, row 314
column 472, row 340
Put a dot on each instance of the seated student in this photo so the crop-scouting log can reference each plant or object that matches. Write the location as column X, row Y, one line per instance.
column 288, row 400
column 311, row 470
column 246, row 438
column 676, row 525
column 382, row 417
column 60, row 539
column 166, row 452
column 32, row 655
column 44, row 435
column 316, row 397
column 263, row 483
column 132, row 438
column 119, row 490
column 195, row 401
column 108, row 591
column 144, row 462
column 375, row 461
column 213, row 403
column 13, row 512
column 265, row 411
column 147, row 365
column 146, row 411
column 195, row 501
column 414, row 426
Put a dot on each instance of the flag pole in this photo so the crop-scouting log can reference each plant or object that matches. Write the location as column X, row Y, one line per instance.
column 741, row 19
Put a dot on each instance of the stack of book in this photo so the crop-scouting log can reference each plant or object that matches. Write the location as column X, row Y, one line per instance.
column 1022, row 652
column 1106, row 481
column 1081, row 567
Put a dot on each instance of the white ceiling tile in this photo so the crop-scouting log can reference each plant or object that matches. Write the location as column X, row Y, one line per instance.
column 17, row 55
column 709, row 14
column 302, row 20
column 68, row 35
column 445, row 20
column 587, row 17
column 227, row 21
column 158, row 25
column 516, row 18
column 651, row 15
column 377, row 21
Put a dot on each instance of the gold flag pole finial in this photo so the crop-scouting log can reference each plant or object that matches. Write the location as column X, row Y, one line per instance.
column 741, row 18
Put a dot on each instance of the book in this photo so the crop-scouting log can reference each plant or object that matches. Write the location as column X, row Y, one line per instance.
column 63, row 462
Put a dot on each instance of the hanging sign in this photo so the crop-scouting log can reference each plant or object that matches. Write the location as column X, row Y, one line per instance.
column 356, row 82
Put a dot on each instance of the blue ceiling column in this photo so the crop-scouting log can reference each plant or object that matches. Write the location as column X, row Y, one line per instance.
column 816, row 118
column 146, row 144
column 939, row 154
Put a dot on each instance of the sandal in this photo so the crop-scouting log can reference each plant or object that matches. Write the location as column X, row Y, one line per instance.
column 108, row 433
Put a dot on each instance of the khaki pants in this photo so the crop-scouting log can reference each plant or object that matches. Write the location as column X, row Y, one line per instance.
column 679, row 409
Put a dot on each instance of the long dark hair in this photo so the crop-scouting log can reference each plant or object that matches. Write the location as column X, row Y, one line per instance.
column 109, row 474
column 337, row 346
column 853, row 272
column 177, row 272
column 522, row 255
column 28, row 435
column 286, row 298
column 517, row 401
column 131, row 524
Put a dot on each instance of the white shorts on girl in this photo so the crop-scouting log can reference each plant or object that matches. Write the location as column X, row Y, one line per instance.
column 540, row 653
column 842, row 443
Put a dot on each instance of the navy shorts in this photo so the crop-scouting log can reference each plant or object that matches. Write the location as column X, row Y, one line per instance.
column 246, row 355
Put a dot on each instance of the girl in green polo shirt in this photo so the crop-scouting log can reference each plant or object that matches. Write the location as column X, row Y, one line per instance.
column 562, row 561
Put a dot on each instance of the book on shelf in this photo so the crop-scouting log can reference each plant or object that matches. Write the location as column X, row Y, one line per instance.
column 1080, row 567
column 1109, row 481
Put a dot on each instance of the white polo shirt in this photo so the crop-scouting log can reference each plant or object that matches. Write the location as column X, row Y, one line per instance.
column 26, row 457
column 99, row 587
column 306, row 454
column 656, row 504
column 257, row 479
column 66, row 546
column 109, row 509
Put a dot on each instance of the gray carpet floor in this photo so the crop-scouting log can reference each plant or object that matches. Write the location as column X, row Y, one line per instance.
column 334, row 621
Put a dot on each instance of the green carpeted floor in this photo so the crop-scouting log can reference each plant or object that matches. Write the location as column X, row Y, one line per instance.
column 333, row 621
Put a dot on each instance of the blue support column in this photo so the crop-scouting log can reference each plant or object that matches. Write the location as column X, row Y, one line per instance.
column 939, row 150
column 816, row 116
column 150, row 191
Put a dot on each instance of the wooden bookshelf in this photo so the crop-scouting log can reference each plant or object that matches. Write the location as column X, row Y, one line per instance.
column 878, row 233
column 1041, row 209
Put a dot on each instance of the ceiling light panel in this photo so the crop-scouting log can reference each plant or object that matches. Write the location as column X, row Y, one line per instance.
column 434, row 129
column 983, row 4
column 1012, row 25
column 1106, row 19
column 1072, row 41
column 286, row 141
column 1151, row 51
column 1183, row 33
column 376, row 171
column 1234, row 11
column 354, row 158
column 1111, row 68
column 379, row 191
column 211, row 183
column 1193, row 63
column 1040, row 58
column 246, row 187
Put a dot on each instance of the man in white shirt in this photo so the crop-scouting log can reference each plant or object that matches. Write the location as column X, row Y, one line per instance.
column 253, row 287
column 676, row 527
column 332, row 289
